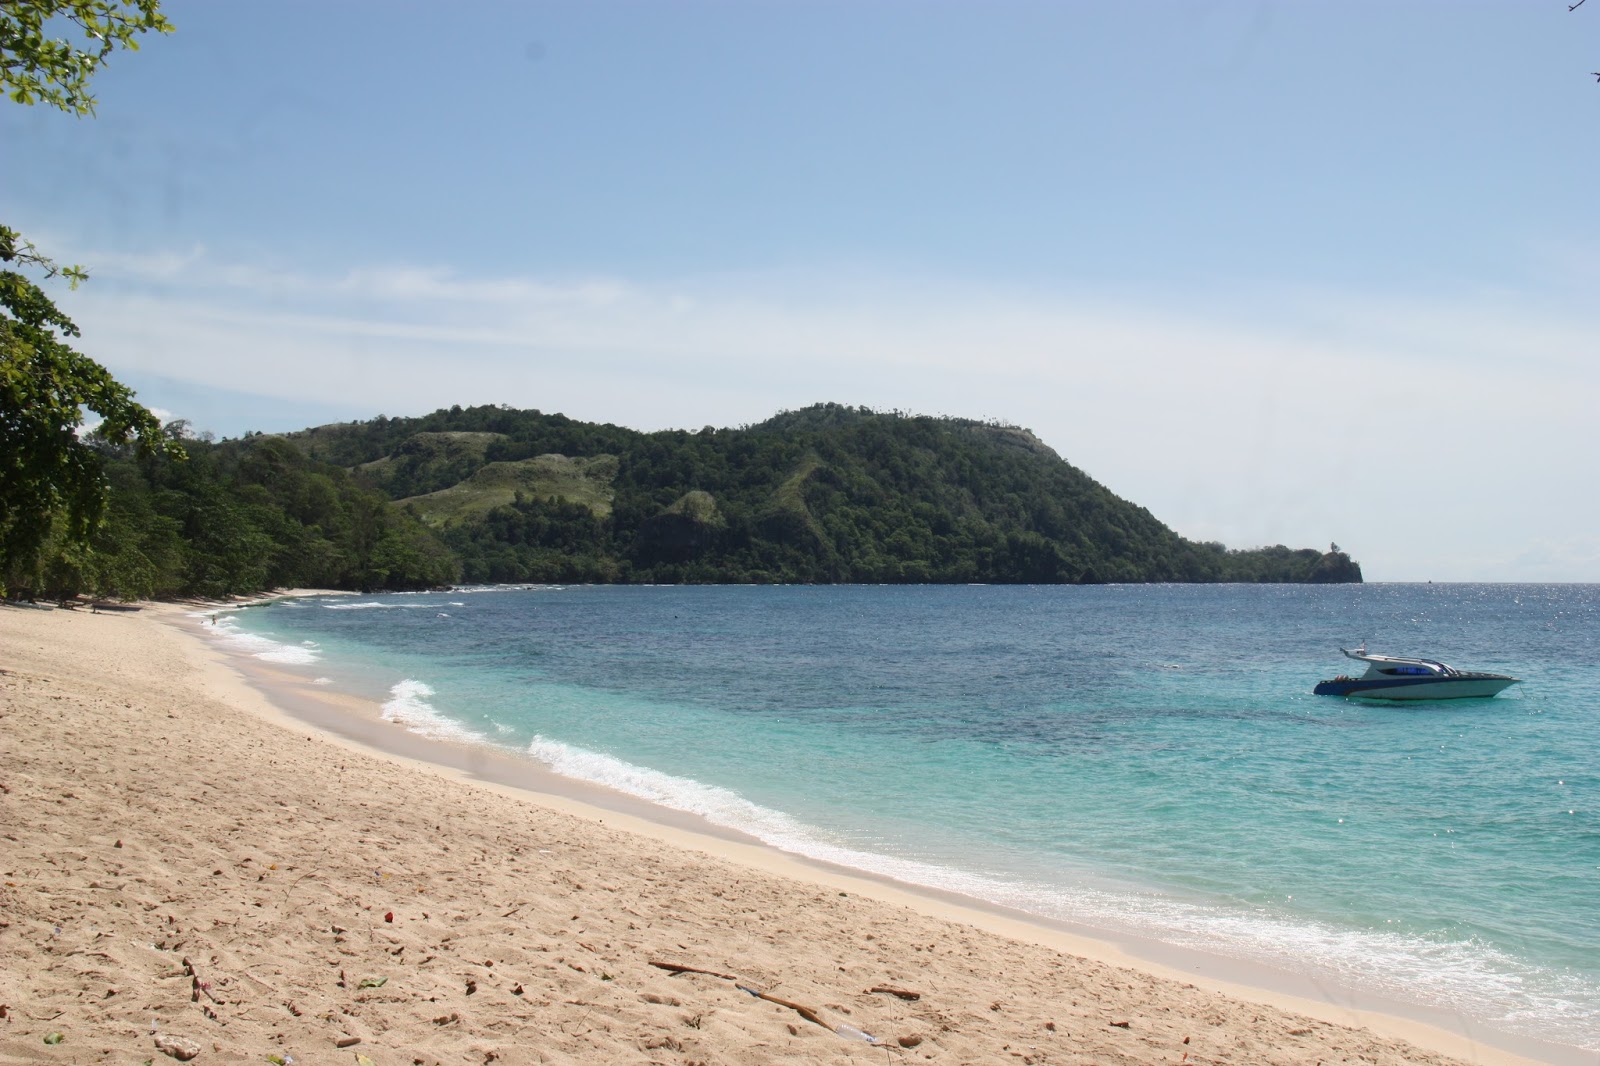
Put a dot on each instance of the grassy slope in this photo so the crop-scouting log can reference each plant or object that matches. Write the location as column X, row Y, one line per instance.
column 583, row 481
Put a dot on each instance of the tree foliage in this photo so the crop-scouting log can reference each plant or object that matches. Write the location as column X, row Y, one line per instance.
column 236, row 518
column 52, row 487
column 36, row 67
column 53, row 491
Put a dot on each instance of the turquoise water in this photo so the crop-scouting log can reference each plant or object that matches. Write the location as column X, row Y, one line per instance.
column 1141, row 759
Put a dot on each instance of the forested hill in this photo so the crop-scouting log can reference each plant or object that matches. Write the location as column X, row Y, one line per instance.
column 825, row 494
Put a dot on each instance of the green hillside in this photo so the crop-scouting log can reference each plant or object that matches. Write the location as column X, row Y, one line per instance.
column 490, row 494
column 829, row 493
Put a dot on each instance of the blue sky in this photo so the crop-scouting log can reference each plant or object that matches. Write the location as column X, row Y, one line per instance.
column 1279, row 272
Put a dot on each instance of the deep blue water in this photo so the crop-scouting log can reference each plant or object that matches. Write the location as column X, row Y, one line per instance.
column 1144, row 759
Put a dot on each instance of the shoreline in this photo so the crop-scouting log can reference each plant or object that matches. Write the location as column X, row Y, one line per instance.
column 358, row 722
column 223, row 762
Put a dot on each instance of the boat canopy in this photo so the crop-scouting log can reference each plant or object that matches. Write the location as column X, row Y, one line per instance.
column 1396, row 666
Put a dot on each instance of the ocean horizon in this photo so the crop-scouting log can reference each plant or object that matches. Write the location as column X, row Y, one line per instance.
column 1146, row 761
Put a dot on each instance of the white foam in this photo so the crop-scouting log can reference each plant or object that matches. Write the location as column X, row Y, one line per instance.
column 1472, row 979
column 225, row 628
column 408, row 705
column 374, row 605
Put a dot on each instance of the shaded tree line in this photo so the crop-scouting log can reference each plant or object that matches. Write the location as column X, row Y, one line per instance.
column 230, row 519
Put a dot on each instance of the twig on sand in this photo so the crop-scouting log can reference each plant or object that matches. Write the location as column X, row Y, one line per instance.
column 900, row 993
column 849, row 1032
column 805, row 1012
column 680, row 968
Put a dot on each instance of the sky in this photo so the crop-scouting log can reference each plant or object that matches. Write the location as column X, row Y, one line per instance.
column 1280, row 272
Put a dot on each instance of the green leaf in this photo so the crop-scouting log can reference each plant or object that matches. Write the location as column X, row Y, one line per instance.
column 53, row 1038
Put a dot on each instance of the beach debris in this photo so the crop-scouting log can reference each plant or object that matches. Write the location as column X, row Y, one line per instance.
column 389, row 916
column 472, row 986
column 850, row 1032
column 347, row 1041
column 1122, row 1025
column 898, row 993
column 805, row 1012
column 372, row 982
column 909, row 1041
column 364, row 1060
column 678, row 967
column 54, row 1038
column 197, row 987
column 177, row 1047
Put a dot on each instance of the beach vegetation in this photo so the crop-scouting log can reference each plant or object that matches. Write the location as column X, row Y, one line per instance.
column 38, row 67
column 53, row 486
column 238, row 517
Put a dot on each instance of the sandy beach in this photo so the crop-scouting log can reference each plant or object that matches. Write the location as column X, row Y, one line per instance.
column 188, row 870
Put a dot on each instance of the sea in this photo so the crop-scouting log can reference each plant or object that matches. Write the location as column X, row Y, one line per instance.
column 1145, row 761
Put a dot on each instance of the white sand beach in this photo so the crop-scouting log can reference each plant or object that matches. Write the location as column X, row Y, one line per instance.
column 185, row 867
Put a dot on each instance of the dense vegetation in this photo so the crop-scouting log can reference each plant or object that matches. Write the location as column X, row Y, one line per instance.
column 235, row 518
column 53, row 492
column 490, row 494
column 826, row 494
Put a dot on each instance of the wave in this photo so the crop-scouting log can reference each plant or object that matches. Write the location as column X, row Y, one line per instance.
column 1470, row 978
column 225, row 627
column 374, row 605
column 408, row 705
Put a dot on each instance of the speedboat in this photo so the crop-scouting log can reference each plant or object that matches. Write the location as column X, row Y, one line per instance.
column 1390, row 677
